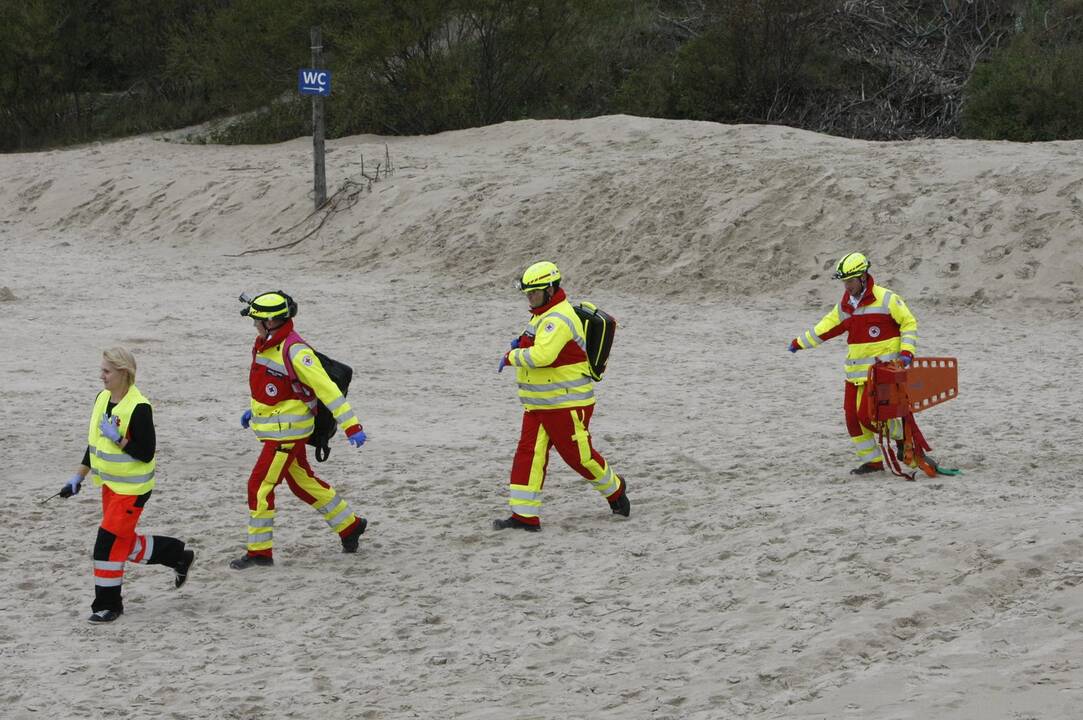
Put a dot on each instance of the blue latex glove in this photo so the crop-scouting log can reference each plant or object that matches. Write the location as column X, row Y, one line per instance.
column 515, row 343
column 794, row 347
column 906, row 360
column 358, row 438
column 246, row 418
column 108, row 429
column 503, row 364
column 72, row 486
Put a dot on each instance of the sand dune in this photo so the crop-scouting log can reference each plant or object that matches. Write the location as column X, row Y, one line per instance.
column 755, row 578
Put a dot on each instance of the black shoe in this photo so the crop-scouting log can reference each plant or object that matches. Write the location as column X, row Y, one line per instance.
column 187, row 558
column 246, row 561
column 514, row 523
column 622, row 505
column 869, row 467
column 350, row 541
column 104, row 616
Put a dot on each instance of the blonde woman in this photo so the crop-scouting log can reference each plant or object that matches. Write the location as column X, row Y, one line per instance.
column 120, row 458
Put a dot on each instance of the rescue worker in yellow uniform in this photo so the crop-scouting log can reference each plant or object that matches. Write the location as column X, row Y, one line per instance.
column 286, row 379
column 119, row 458
column 878, row 326
column 557, row 393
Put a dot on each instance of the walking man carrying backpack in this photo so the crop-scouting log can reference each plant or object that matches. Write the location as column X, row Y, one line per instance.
column 557, row 393
column 286, row 380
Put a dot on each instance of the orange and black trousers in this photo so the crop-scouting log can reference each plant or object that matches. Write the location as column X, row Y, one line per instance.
column 118, row 543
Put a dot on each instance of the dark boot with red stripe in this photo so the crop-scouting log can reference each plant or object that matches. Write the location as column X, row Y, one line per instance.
column 351, row 539
column 621, row 505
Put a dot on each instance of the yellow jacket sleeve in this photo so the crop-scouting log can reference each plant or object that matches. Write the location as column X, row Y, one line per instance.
column 908, row 324
column 310, row 372
column 821, row 332
column 552, row 333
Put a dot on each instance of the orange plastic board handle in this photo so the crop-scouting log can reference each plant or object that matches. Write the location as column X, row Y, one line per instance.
column 931, row 381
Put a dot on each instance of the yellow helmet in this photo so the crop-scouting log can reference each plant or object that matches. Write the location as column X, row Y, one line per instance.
column 851, row 266
column 539, row 276
column 270, row 305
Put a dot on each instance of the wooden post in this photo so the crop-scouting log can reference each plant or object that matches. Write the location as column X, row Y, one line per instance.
column 319, row 187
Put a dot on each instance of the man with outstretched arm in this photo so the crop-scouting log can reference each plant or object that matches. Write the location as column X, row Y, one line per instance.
column 879, row 327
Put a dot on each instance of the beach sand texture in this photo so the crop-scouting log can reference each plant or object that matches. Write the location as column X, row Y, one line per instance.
column 756, row 578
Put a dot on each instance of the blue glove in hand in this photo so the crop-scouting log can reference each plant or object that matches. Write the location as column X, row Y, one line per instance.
column 246, row 418
column 108, row 429
column 794, row 347
column 515, row 343
column 503, row 364
column 72, row 486
column 358, row 438
column 906, row 360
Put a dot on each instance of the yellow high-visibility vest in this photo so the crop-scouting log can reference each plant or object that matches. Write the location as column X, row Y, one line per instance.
column 109, row 464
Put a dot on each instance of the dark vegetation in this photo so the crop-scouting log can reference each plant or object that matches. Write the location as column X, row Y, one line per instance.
column 79, row 70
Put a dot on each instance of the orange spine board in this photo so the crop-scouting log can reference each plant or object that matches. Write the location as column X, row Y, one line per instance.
column 895, row 391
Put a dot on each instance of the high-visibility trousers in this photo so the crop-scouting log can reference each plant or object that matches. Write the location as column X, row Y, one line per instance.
column 863, row 437
column 567, row 431
column 289, row 461
column 118, row 543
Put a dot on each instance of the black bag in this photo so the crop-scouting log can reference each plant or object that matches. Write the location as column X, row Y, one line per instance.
column 600, row 328
column 326, row 427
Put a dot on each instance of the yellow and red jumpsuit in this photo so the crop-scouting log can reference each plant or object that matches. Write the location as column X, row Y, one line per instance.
column 126, row 477
column 283, row 417
column 879, row 327
column 557, row 394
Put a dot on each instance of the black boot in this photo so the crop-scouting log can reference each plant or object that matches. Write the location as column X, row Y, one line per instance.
column 351, row 539
column 622, row 505
column 181, row 570
column 246, row 561
column 104, row 616
column 515, row 524
column 869, row 467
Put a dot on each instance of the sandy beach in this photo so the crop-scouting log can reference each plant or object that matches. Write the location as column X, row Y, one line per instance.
column 756, row 578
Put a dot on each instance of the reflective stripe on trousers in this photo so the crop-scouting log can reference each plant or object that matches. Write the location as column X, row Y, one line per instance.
column 567, row 431
column 117, row 540
column 289, row 462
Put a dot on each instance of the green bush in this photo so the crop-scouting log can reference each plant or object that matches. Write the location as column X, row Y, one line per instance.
column 1027, row 92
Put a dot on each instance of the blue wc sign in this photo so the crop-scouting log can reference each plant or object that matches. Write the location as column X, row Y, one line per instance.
column 311, row 81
